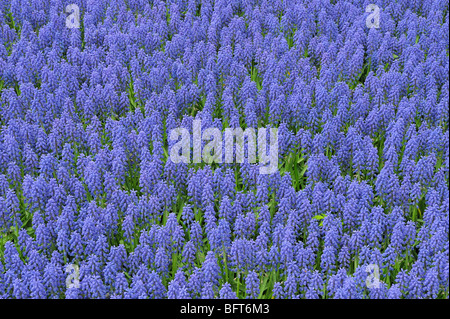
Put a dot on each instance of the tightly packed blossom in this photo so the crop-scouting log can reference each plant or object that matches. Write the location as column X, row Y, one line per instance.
column 92, row 206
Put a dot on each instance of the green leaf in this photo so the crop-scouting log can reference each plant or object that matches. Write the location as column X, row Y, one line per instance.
column 319, row 217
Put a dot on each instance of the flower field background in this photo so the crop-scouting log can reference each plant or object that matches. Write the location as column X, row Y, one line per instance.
column 359, row 206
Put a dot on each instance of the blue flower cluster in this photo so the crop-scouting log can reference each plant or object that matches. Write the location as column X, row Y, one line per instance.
column 359, row 205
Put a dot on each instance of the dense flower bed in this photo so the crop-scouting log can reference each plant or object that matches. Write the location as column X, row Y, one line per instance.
column 91, row 205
